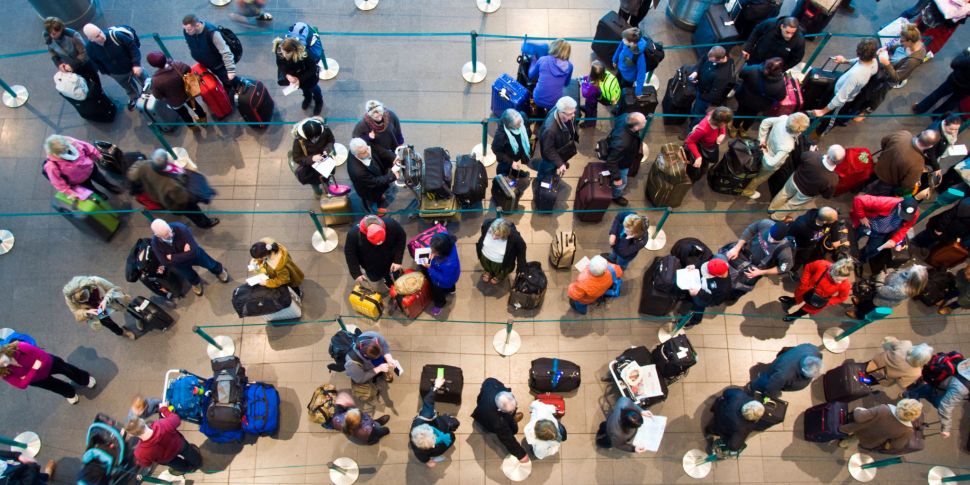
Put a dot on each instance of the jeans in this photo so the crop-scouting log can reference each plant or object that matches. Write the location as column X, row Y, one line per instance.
column 873, row 242
column 314, row 93
column 371, row 206
column 78, row 376
column 580, row 308
column 944, row 90
column 132, row 84
column 925, row 391
column 699, row 110
column 624, row 181
column 202, row 259
column 620, row 260
column 110, row 324
column 789, row 199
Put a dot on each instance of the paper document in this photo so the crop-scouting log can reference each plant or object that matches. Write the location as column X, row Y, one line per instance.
column 422, row 255
column 642, row 381
column 688, row 279
column 650, row 433
column 325, row 166
column 288, row 90
column 257, row 279
column 582, row 264
column 955, row 151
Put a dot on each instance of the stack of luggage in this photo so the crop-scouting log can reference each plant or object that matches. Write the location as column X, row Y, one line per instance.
column 437, row 200
column 234, row 407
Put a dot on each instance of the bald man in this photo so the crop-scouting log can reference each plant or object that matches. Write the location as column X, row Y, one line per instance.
column 175, row 247
column 814, row 177
column 625, row 150
column 116, row 54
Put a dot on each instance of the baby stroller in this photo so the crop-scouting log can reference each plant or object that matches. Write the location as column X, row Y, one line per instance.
column 626, row 365
column 108, row 457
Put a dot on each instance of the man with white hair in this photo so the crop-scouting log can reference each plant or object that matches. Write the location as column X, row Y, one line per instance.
column 736, row 414
column 372, row 177
column 497, row 413
column 174, row 245
column 165, row 183
column 592, row 283
column 116, row 54
column 814, row 177
column 381, row 129
column 557, row 138
column 793, row 370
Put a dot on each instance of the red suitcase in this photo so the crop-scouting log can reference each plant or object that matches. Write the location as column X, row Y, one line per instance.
column 554, row 399
column 792, row 101
column 412, row 305
column 213, row 92
column 854, row 171
column 593, row 193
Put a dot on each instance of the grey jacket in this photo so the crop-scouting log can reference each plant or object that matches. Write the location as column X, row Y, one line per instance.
column 892, row 291
column 620, row 438
column 955, row 392
column 68, row 49
column 359, row 368
column 117, row 299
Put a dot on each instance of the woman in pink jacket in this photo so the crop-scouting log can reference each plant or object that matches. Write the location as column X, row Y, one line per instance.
column 71, row 167
column 22, row 365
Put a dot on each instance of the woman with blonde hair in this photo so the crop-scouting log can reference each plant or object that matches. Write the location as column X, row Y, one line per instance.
column 500, row 250
column 823, row 284
column 296, row 67
column 628, row 235
column 901, row 360
column 553, row 73
column 896, row 287
column 72, row 168
column 885, row 428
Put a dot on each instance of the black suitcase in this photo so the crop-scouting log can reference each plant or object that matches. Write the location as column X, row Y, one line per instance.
column 822, row 421
column 594, row 192
column 775, row 411
column 610, row 27
column 818, row 87
column 436, row 172
column 842, row 383
column 506, row 191
column 691, row 251
column 939, row 282
column 254, row 102
column 716, row 27
column 737, row 167
column 454, row 381
column 674, row 358
column 470, row 181
column 646, row 103
column 554, row 375
column 545, row 191
column 653, row 301
column 679, row 96
column 254, row 301
column 96, row 107
column 151, row 315
column 113, row 160
column 811, row 19
column 168, row 285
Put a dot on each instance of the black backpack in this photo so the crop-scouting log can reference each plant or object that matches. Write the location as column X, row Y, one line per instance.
column 124, row 29
column 340, row 344
column 654, row 53
column 532, row 280
column 470, row 180
column 235, row 46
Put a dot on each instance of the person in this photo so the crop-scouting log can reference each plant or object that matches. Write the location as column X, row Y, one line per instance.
column 377, row 246
column 500, row 250
column 599, row 87
column 736, row 414
column 901, row 162
column 778, row 137
column 814, row 177
column 622, row 424
column 703, row 140
column 443, row 270
column 949, row 129
column 209, row 48
column 625, row 149
column 634, row 11
column 883, row 221
column 373, row 178
column 273, row 260
column 900, row 360
column 71, row 168
column 957, row 296
column 511, row 145
column 312, row 142
column 381, row 129
column 592, row 283
column 850, row 83
column 432, row 434
column 898, row 60
column 557, row 138
column 792, row 370
column 760, row 86
column 369, row 359
column 497, row 412
column 360, row 427
column 779, row 37
column 23, row 365
column 818, row 233
column 251, row 9
column 885, row 428
column 630, row 61
column 161, row 443
column 938, row 22
column 715, row 288
column 714, row 77
column 21, row 469
column 92, row 299
column 954, row 88
column 552, row 72
column 891, row 289
column 164, row 182
column 543, row 432
column 169, row 88
column 295, row 65
column 950, row 226
column 770, row 251
column 118, row 57
column 175, row 246
column 66, row 47
column 951, row 392
column 144, row 408
column 628, row 235
column 823, row 284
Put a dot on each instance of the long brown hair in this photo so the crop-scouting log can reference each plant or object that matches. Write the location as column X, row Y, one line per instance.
column 10, row 350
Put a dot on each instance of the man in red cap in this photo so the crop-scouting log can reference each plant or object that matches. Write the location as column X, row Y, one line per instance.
column 377, row 246
column 714, row 290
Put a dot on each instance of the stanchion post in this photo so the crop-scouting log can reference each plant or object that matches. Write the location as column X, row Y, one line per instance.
column 161, row 45
column 883, row 463
column 863, row 468
column 507, row 341
column 482, row 151
column 219, row 346
column 151, row 479
column 324, row 239
column 484, row 136
column 957, row 478
column 346, row 327
column 162, row 141
column 669, row 331
column 474, row 71
column 205, row 336
column 14, row 96
column 646, row 127
column 7, row 88
column 329, row 68
column 837, row 341
column 656, row 239
column 474, row 40
column 12, row 442
column 816, row 52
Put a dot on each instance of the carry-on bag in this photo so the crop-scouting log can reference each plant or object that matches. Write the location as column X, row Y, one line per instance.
column 562, row 253
column 156, row 111
column 775, row 411
column 336, row 209
column 412, row 293
column 680, row 95
column 436, row 173
column 674, row 357
column 470, row 181
column 594, row 192
column 691, row 251
column 652, row 300
column 97, row 106
column 254, row 301
column 646, row 103
column 254, row 102
column 450, row 392
column 554, row 375
column 554, row 400
column 822, row 421
column 186, row 395
column 845, row 382
column 262, row 409
column 152, row 316
column 508, row 93
column 815, row 15
column 214, row 94
column 506, row 191
column 668, row 182
column 545, row 191
column 366, row 302
column 937, row 287
column 423, row 239
column 716, row 27
column 529, row 287
column 437, row 209
column 818, row 87
column 226, row 391
column 293, row 311
column 609, row 28
column 85, row 216
column 946, row 256
column 737, row 167
column 792, row 101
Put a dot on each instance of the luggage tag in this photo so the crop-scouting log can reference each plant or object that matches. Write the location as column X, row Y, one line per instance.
column 545, row 185
column 682, row 352
column 143, row 306
column 605, row 173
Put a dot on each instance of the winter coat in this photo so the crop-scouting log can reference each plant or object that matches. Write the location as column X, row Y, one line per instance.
column 900, row 164
column 362, row 435
column 503, row 150
column 23, row 374
column 785, row 372
column 305, row 70
column 168, row 86
column 514, row 249
column 620, row 438
column 869, row 206
column 209, row 48
column 181, row 235
column 304, row 150
column 360, row 369
column 164, row 445
column 953, row 223
column 960, row 77
column 118, row 300
column 728, row 423
column 553, row 76
column 279, row 267
column 631, row 67
column 376, row 260
column 714, row 80
column 955, row 392
column 554, row 136
column 114, row 57
column 160, row 187
column 487, row 415
column 627, row 248
column 893, row 362
column 817, row 276
column 66, row 175
column 703, row 136
column 588, row 288
column 878, row 429
column 892, row 290
column 370, row 182
column 444, row 271
column 384, row 143
column 766, row 42
column 757, row 92
column 68, row 49
column 442, row 423
column 625, row 147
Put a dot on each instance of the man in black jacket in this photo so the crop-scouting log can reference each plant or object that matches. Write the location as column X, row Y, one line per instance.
column 373, row 177
column 814, row 177
column 377, row 246
column 735, row 416
column 714, row 77
column 792, row 370
column 954, row 88
column 174, row 245
column 497, row 412
column 775, row 38
column 947, row 227
column 625, row 148
column 715, row 288
column 816, row 232
column 557, row 138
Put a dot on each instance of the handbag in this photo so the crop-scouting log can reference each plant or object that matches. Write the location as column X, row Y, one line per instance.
column 193, row 87
column 70, row 85
column 813, row 299
column 865, row 289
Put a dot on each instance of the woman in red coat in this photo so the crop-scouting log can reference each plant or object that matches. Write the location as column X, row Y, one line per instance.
column 829, row 285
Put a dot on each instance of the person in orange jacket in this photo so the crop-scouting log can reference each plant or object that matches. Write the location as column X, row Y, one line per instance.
column 592, row 283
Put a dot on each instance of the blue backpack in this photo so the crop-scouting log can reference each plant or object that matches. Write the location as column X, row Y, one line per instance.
column 614, row 290
column 305, row 34
column 262, row 409
column 184, row 397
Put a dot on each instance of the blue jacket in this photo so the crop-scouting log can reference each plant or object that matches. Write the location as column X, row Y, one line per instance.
column 632, row 67
column 626, row 248
column 444, row 271
column 785, row 373
column 553, row 75
column 114, row 58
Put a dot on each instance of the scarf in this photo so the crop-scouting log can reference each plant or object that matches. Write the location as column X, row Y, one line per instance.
column 514, row 140
column 375, row 126
column 441, row 437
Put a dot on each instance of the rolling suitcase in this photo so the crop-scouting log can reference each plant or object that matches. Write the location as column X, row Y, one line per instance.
column 668, row 182
column 103, row 226
column 674, row 357
column 508, row 93
column 412, row 300
column 594, row 192
column 562, row 252
column 775, row 411
column 529, row 288
column 436, row 173
column 254, row 102
column 554, row 400
column 151, row 315
column 545, row 191
column 291, row 312
column 96, row 107
column 262, row 409
column 822, row 421
column 652, row 300
column 367, row 302
column 646, row 103
column 336, row 209
column 854, row 171
column 691, row 251
column 736, row 168
column 818, row 87
column 254, row 301
column 506, row 191
column 679, row 96
column 843, row 382
column 470, row 181
column 609, row 28
column 792, row 101
column 715, row 27
column 454, row 381
column 947, row 256
column 156, row 111
column 214, row 94
column 815, row 16
column 554, row 375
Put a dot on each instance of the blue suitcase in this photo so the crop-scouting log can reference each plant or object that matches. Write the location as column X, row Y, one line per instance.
column 509, row 93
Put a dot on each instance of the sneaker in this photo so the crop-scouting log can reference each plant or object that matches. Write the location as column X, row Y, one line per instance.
column 91, row 382
column 621, row 201
column 224, row 276
column 900, row 85
column 382, row 420
column 435, row 311
column 74, row 400
column 754, row 195
column 518, row 416
column 264, row 17
column 128, row 334
column 197, row 289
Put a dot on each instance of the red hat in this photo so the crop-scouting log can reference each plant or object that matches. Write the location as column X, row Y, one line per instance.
column 717, row 268
column 376, row 234
column 156, row 59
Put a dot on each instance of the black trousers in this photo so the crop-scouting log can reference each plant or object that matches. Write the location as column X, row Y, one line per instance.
column 439, row 296
column 634, row 18
column 110, row 324
column 188, row 460
column 183, row 111
column 197, row 218
column 100, row 179
column 77, row 375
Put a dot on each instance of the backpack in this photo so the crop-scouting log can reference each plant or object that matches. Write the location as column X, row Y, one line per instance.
column 940, row 367
column 124, row 29
column 340, row 344
column 321, row 407
column 613, row 291
column 532, row 280
column 235, row 46
column 665, row 277
column 654, row 53
column 309, row 38
column 226, row 394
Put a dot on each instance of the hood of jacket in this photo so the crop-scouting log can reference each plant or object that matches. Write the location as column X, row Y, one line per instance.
column 558, row 67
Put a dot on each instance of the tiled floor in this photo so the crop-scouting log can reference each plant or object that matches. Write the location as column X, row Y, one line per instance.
column 419, row 79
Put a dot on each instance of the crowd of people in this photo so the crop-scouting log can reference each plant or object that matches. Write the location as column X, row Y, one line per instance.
column 823, row 249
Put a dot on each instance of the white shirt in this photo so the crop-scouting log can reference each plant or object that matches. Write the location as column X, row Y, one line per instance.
column 541, row 411
column 494, row 249
column 773, row 133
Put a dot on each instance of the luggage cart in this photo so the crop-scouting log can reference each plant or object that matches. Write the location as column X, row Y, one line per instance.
column 639, row 356
column 190, row 415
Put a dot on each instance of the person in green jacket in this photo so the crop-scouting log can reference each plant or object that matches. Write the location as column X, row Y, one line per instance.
column 600, row 86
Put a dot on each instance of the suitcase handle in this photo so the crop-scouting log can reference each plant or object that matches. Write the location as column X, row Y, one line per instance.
column 836, row 69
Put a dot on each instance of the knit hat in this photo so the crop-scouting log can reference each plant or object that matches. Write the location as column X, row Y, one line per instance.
column 717, row 268
column 907, row 208
column 156, row 59
column 778, row 231
column 376, row 234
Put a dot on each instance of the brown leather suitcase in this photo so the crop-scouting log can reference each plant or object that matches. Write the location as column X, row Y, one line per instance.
column 338, row 205
column 947, row 256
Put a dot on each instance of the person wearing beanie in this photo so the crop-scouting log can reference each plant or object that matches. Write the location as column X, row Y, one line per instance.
column 376, row 246
column 175, row 246
column 823, row 284
column 168, row 87
column 592, row 283
column 715, row 288
column 769, row 252
column 883, row 221
column 295, row 65
column 381, row 129
column 164, row 183
column 312, row 142
column 71, row 168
